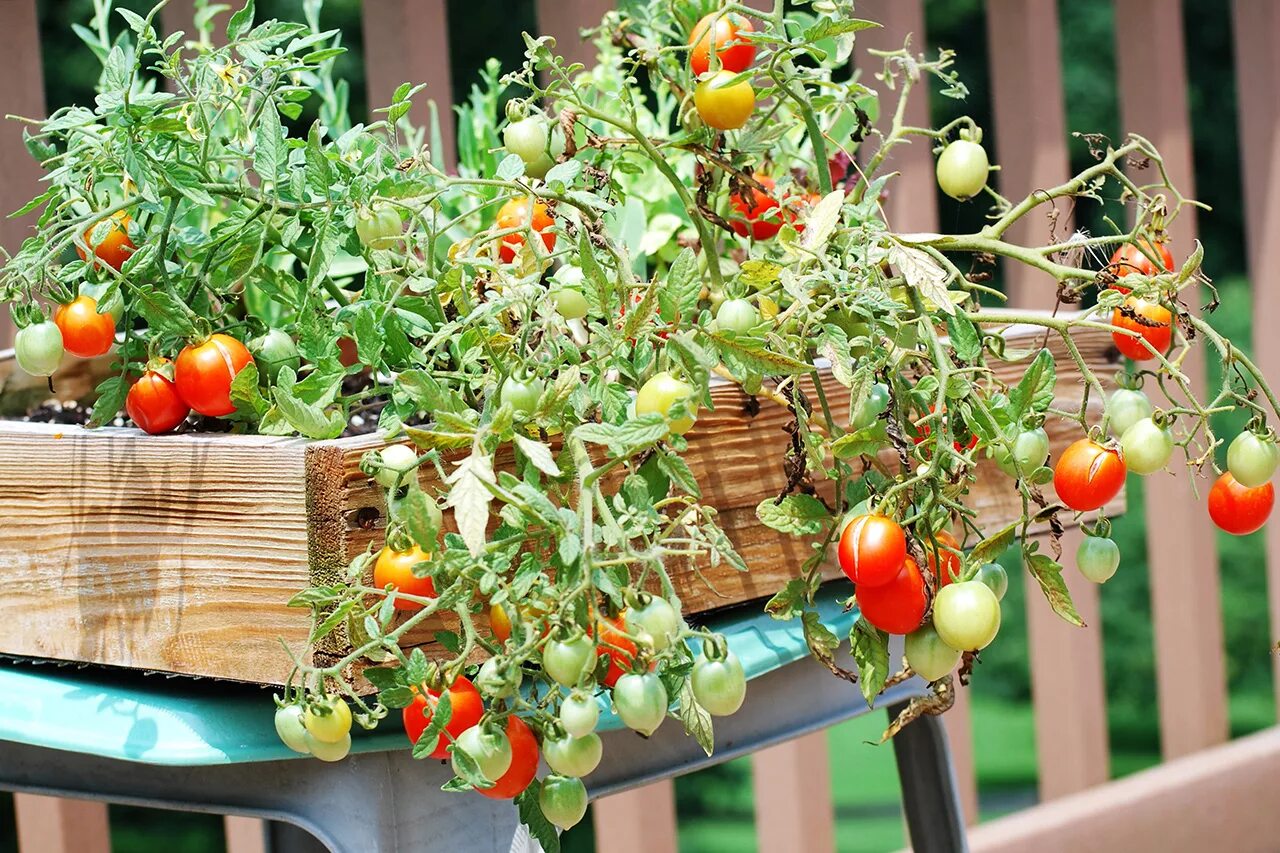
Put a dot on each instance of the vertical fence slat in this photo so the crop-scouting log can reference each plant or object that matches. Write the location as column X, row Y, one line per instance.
column 913, row 206
column 1188, row 632
column 407, row 41
column 54, row 825
column 1030, row 144
column 564, row 20
column 642, row 820
column 1256, row 29
column 245, row 834
column 792, row 788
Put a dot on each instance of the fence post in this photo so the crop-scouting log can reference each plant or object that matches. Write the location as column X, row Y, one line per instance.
column 1030, row 144
column 1256, row 28
column 55, row 825
column 1180, row 538
column 642, row 820
column 245, row 834
column 792, row 791
column 913, row 206
column 407, row 41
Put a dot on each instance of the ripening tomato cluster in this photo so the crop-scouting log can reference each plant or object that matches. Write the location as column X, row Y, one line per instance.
column 1150, row 323
column 760, row 215
column 724, row 100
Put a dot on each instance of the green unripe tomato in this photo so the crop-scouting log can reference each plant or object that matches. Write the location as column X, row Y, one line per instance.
column 641, row 702
column 928, row 655
column 962, row 169
column 1146, row 447
column 328, row 720
column 737, row 315
column 574, row 756
column 1030, row 449
column 527, row 138
column 966, row 615
column 496, row 680
column 107, row 298
column 579, row 714
column 720, row 686
column 396, row 459
column 290, row 728
column 869, row 410
column 1252, row 459
column 995, row 578
column 570, row 303
column 1098, row 558
column 568, row 661
column 1126, row 407
column 273, row 352
column 379, row 226
column 660, row 394
column 38, row 348
column 563, row 800
column 522, row 396
column 658, row 619
column 325, row 751
column 488, row 747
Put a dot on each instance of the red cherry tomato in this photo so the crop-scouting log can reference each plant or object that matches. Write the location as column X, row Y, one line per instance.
column 154, row 405
column 1238, row 509
column 948, row 569
column 1154, row 323
column 754, row 214
column 204, row 372
column 396, row 568
column 872, row 550
column 1131, row 260
column 466, row 708
column 85, row 332
column 524, row 762
column 515, row 214
column 113, row 246
column 611, row 639
column 897, row 607
column 735, row 53
column 924, row 431
column 1088, row 475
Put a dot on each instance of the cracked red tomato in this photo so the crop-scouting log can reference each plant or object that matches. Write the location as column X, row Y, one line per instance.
column 1088, row 475
column 204, row 373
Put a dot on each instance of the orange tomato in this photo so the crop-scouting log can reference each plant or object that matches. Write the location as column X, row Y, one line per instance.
column 611, row 639
column 396, row 568
column 516, row 214
column 1152, row 321
column 113, row 246
column 204, row 372
column 85, row 332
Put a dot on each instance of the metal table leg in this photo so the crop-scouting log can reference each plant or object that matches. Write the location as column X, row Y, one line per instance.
column 929, row 796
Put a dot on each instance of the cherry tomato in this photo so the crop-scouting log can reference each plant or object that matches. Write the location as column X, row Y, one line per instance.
column 872, row 550
column 325, row 751
column 869, row 410
column 1155, row 325
column 109, row 239
column 640, row 701
column 925, row 430
column 498, row 679
column 273, row 352
column 396, row 568
column 1129, row 259
column 579, row 714
column 995, row 577
column 723, row 104
column 1238, row 509
column 524, row 762
column 563, row 800
column 1030, row 449
column 154, row 405
column 759, row 214
column 328, row 720
column 290, row 728
column 962, row 169
column 966, row 615
column 660, row 394
column 1097, row 558
column 574, row 756
column 1147, row 447
column 725, row 31
column 950, row 568
column 898, row 606
column 466, row 708
column 568, row 661
column 658, row 619
column 379, row 226
column 1126, row 407
column 85, row 332
column 720, row 686
column 737, row 315
column 521, row 395
column 204, row 373
column 38, row 348
column 488, row 747
column 499, row 623
column 931, row 658
column 516, row 214
column 1252, row 459
column 611, row 639
column 1088, row 475
column 527, row 138
column 396, row 459
column 570, row 303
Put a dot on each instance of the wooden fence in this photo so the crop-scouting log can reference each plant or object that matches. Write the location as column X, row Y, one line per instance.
column 408, row 41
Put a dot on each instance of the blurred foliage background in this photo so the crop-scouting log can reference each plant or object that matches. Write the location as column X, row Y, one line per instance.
column 715, row 805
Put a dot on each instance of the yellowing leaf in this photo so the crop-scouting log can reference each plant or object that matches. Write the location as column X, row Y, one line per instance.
column 924, row 274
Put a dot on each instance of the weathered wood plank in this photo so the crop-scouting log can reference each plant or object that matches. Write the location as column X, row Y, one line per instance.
column 642, row 820
column 792, row 789
column 56, row 825
column 1180, row 536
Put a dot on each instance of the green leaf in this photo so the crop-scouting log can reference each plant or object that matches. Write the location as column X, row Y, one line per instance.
column 696, row 719
column 642, row 312
column 684, row 284
column 990, row 549
column 307, row 418
column 111, row 393
column 870, row 648
column 1035, row 391
column 964, row 336
column 626, row 439
column 422, row 518
column 864, row 442
column 510, row 168
column 385, row 677
column 163, row 311
column 269, row 152
column 1049, row 575
column 240, row 22
column 752, row 354
column 798, row 514
column 440, row 717
column 678, row 471
column 396, row 697
column 539, row 454
column 599, row 293
column 245, row 394
column 788, row 602
column 827, row 28
column 822, row 643
column 319, row 172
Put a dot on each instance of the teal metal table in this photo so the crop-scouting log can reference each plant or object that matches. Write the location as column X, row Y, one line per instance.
column 210, row 746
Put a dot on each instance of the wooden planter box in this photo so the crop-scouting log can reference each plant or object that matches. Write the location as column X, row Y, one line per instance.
column 177, row 553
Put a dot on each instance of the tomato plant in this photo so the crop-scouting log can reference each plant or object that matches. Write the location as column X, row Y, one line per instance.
column 575, row 756
column 568, row 661
column 291, row 729
column 563, row 800
column 153, row 402
column 327, row 720
column 1125, row 408
column 379, row 226
column 1088, row 475
column 488, row 747
column 273, row 352
column 85, row 332
column 966, row 615
column 1133, row 258
column 1146, row 446
column 719, row 682
column 203, row 373
column 579, row 714
column 1238, row 509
